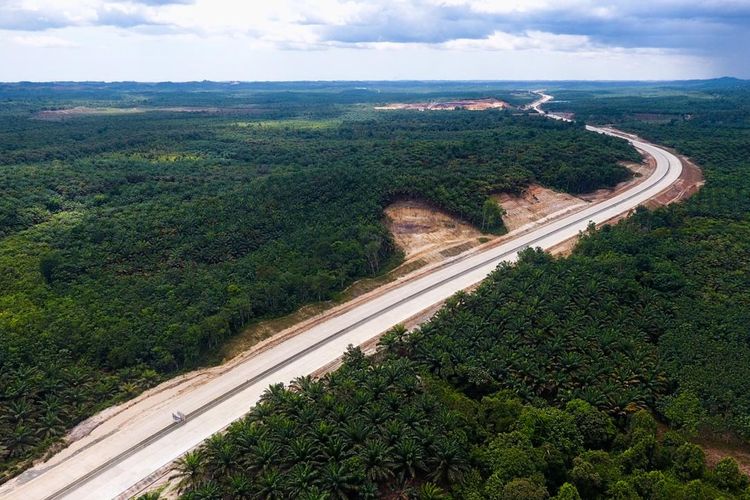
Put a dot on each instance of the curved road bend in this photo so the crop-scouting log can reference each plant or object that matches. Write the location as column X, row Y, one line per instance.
column 116, row 461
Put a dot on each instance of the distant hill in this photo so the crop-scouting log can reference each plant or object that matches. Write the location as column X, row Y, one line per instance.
column 356, row 86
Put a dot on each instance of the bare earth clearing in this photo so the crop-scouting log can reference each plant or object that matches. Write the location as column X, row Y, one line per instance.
column 535, row 204
column 717, row 448
column 470, row 104
column 423, row 232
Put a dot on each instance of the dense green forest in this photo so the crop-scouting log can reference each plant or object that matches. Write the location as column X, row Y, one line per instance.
column 384, row 429
column 133, row 244
column 705, row 347
column 546, row 381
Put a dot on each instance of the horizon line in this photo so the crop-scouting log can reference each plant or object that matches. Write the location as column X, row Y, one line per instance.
column 236, row 82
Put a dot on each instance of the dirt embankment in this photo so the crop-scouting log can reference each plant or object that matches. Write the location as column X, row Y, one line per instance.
column 427, row 235
column 689, row 182
column 536, row 204
column 424, row 232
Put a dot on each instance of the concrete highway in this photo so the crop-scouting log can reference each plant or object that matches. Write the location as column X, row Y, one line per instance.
column 107, row 466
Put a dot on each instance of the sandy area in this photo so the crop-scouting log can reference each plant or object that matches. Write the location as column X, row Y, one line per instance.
column 470, row 104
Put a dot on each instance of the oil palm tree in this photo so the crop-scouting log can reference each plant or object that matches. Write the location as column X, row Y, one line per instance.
column 189, row 470
column 301, row 477
column 221, row 456
column 376, row 458
column 269, row 485
column 338, row 480
column 239, row 486
column 303, row 449
column 263, row 455
column 431, row 491
column 408, row 459
column 448, row 461
column 356, row 431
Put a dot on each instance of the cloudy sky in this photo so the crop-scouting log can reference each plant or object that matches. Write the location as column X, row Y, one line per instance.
column 158, row 40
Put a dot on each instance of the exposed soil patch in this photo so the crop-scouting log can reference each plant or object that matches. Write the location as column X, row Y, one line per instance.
column 689, row 182
column 535, row 204
column 470, row 104
column 717, row 448
column 565, row 115
column 61, row 114
column 425, row 233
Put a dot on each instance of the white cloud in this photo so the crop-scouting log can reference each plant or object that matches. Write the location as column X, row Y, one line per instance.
column 43, row 41
column 227, row 30
column 498, row 6
column 537, row 40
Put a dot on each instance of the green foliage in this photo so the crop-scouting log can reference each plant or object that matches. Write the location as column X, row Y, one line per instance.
column 594, row 473
column 567, row 492
column 700, row 246
column 522, row 489
column 492, row 214
column 689, row 461
column 622, row 490
column 364, row 427
column 509, row 457
column 431, row 491
column 727, row 476
column 655, row 304
column 373, row 426
column 133, row 244
column 596, row 428
column 554, row 330
column 553, row 428
column 684, row 411
column 146, row 252
column 499, row 412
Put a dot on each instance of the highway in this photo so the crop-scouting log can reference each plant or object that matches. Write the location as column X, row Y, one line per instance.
column 115, row 458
